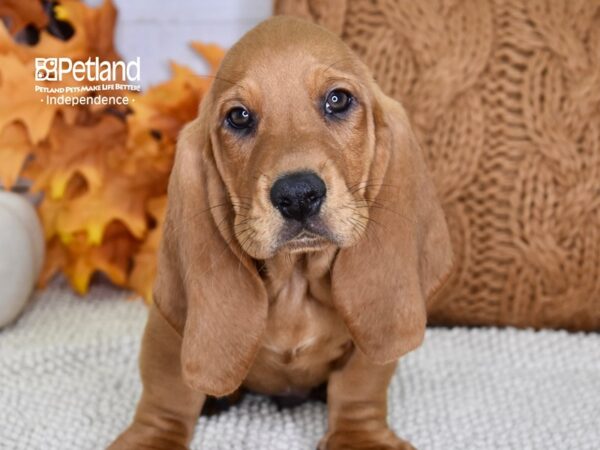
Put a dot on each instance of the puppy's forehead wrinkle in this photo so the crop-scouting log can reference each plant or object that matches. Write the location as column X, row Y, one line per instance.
column 278, row 46
column 222, row 79
column 345, row 59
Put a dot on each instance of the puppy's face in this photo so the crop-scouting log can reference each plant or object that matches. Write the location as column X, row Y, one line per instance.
column 293, row 142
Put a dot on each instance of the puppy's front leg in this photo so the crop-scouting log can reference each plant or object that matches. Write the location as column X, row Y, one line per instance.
column 357, row 405
column 168, row 410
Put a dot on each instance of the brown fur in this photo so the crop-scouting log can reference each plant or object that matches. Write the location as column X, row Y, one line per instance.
column 237, row 302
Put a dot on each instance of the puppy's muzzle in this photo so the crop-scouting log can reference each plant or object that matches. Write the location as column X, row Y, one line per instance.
column 298, row 196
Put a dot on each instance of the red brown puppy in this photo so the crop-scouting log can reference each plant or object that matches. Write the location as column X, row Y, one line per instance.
column 302, row 239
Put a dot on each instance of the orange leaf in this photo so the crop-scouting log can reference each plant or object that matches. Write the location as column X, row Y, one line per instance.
column 169, row 105
column 142, row 277
column 94, row 27
column 212, row 53
column 114, row 189
column 55, row 262
column 93, row 34
column 19, row 101
column 14, row 150
column 79, row 260
column 19, row 13
column 72, row 149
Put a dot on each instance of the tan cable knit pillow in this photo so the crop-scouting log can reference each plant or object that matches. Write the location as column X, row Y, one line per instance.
column 505, row 98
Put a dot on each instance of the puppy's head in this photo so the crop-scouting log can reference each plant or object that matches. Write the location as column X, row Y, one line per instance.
column 296, row 149
column 293, row 129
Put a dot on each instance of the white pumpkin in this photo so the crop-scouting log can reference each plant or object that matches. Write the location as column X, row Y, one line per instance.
column 21, row 254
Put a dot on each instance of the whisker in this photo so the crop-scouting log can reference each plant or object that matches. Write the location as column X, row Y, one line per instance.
column 368, row 180
column 371, row 204
column 372, row 185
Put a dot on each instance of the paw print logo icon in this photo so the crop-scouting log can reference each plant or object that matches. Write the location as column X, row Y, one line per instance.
column 46, row 69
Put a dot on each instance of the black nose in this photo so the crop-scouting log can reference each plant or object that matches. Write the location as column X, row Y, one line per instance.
column 298, row 195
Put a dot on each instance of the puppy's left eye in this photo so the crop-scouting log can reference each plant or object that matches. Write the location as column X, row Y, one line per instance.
column 240, row 118
column 337, row 101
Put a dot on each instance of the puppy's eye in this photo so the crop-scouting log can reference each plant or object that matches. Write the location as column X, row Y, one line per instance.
column 337, row 101
column 240, row 118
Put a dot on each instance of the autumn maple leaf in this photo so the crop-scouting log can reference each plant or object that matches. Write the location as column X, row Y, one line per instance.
column 17, row 14
column 102, row 172
column 145, row 259
column 20, row 102
column 15, row 148
column 79, row 260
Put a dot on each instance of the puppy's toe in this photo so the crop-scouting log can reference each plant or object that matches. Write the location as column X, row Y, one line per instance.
column 364, row 440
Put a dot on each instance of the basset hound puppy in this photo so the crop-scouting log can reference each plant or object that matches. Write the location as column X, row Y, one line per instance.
column 302, row 239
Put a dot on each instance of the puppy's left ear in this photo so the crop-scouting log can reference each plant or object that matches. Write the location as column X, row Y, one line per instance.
column 380, row 285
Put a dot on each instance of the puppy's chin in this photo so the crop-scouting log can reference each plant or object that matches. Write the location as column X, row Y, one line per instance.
column 305, row 242
column 312, row 235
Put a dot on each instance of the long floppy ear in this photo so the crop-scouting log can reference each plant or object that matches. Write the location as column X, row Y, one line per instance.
column 207, row 288
column 380, row 285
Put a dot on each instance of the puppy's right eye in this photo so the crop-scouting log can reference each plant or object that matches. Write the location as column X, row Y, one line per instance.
column 240, row 118
column 337, row 102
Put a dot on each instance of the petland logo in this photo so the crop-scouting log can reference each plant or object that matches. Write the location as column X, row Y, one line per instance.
column 93, row 70
column 97, row 82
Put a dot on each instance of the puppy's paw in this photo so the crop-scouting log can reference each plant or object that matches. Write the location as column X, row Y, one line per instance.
column 383, row 439
column 137, row 438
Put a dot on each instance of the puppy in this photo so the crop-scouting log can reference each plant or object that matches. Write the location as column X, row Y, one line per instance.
column 302, row 238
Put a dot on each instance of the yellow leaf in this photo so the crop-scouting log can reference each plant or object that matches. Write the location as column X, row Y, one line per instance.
column 61, row 13
column 79, row 260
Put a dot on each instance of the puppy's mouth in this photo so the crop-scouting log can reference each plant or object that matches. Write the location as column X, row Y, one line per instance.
column 310, row 235
column 305, row 241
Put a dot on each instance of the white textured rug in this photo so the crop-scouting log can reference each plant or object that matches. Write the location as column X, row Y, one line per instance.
column 68, row 380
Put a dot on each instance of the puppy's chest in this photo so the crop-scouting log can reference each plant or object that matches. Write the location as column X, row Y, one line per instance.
column 305, row 337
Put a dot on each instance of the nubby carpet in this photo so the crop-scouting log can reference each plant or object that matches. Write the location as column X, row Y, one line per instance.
column 69, row 380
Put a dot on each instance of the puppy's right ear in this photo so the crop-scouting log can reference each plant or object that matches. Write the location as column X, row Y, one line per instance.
column 207, row 288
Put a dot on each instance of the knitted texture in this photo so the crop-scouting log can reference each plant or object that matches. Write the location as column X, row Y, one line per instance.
column 504, row 96
column 69, row 381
